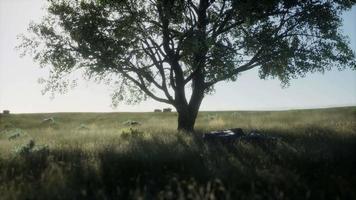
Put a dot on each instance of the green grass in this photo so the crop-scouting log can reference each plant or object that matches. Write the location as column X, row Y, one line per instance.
column 97, row 156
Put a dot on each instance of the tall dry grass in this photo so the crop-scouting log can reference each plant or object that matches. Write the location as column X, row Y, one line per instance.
column 97, row 156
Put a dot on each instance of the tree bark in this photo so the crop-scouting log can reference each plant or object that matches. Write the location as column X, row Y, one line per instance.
column 186, row 119
column 187, row 113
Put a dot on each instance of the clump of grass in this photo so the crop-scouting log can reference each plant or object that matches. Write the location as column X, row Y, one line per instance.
column 131, row 132
column 12, row 133
column 31, row 148
column 83, row 127
column 6, row 125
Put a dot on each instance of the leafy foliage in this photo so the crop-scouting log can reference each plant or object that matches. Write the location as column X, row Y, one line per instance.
column 156, row 48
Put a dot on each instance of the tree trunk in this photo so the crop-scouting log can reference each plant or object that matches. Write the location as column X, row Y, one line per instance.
column 187, row 113
column 186, row 120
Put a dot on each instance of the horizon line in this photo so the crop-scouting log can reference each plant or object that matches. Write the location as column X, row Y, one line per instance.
column 223, row 110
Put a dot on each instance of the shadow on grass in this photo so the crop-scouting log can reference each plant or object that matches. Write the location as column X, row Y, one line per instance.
column 299, row 166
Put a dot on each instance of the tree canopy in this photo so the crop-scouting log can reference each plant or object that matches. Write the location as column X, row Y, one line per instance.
column 161, row 48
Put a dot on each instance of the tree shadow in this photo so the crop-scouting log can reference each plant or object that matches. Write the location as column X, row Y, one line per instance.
column 315, row 166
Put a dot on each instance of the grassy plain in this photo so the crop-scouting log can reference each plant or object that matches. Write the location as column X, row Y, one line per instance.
column 98, row 156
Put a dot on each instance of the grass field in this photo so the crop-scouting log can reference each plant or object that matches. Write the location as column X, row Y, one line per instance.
column 98, row 156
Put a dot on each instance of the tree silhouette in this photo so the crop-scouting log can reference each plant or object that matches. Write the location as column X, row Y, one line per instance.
column 164, row 48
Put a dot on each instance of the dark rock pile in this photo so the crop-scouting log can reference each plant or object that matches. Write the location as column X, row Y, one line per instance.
column 237, row 134
column 225, row 135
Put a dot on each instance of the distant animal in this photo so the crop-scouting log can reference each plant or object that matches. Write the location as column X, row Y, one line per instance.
column 167, row 109
column 6, row 112
column 157, row 110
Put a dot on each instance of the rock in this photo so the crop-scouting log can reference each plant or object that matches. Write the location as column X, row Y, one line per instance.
column 237, row 134
column 157, row 110
column 224, row 135
column 257, row 137
column 48, row 120
column 6, row 112
column 131, row 123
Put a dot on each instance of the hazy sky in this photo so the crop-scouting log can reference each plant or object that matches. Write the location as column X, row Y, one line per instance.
column 20, row 92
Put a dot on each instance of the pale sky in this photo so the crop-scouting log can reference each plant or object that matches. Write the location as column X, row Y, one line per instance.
column 21, row 93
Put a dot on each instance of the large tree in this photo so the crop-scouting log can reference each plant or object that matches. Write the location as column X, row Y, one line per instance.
column 174, row 51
